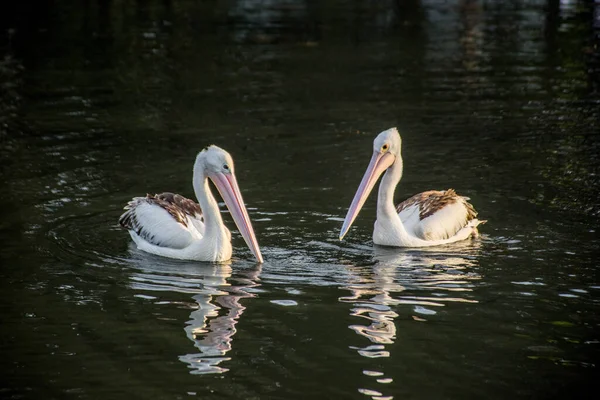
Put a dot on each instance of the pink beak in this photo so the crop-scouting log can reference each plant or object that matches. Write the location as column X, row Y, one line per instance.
column 379, row 163
column 228, row 188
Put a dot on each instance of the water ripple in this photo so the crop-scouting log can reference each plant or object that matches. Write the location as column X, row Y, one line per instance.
column 216, row 303
column 422, row 280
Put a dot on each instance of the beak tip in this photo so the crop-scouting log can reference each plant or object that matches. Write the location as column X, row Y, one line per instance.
column 259, row 257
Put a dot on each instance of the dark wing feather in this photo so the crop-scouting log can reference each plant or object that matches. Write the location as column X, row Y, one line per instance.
column 434, row 200
column 178, row 207
column 436, row 215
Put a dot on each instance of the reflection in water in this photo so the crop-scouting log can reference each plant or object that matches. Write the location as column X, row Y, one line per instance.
column 10, row 96
column 217, row 307
column 425, row 279
column 212, row 333
column 99, row 97
column 262, row 20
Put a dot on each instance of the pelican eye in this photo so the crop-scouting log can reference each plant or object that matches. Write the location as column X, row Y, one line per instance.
column 385, row 147
column 226, row 167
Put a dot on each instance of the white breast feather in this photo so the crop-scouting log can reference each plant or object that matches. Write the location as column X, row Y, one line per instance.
column 410, row 218
column 196, row 227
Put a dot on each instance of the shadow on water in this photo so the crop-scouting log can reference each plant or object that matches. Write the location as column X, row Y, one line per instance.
column 215, row 302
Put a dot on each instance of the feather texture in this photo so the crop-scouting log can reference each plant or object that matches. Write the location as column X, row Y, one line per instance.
column 165, row 219
column 435, row 214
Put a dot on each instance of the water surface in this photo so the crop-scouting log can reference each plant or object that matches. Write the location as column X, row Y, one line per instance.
column 103, row 101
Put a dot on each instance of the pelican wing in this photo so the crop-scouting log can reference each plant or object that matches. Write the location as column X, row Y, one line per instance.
column 436, row 215
column 166, row 219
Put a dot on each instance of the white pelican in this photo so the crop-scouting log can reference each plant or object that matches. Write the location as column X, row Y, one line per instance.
column 426, row 219
column 172, row 226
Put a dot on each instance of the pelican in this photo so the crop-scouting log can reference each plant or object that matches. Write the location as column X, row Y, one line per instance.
column 426, row 219
column 173, row 226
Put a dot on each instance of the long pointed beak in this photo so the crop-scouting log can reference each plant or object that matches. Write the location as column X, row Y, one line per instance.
column 379, row 163
column 229, row 190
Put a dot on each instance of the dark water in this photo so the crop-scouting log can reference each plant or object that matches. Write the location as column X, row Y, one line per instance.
column 104, row 100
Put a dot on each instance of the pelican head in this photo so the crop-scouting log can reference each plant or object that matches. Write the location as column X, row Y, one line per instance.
column 216, row 160
column 217, row 165
column 388, row 141
column 387, row 148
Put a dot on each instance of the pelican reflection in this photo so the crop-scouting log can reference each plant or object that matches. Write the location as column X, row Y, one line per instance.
column 408, row 283
column 216, row 304
column 212, row 325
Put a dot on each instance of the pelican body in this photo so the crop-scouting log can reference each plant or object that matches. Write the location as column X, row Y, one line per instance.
column 173, row 226
column 426, row 219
